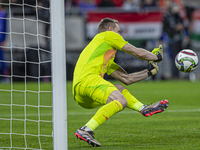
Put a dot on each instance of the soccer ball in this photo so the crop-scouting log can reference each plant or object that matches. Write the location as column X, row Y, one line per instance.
column 186, row 60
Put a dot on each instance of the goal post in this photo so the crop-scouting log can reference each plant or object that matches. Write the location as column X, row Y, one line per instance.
column 58, row 75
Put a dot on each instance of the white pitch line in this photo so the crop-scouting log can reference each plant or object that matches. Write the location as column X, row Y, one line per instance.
column 89, row 113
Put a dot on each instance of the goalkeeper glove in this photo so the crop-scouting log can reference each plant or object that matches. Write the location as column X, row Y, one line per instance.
column 153, row 68
column 159, row 53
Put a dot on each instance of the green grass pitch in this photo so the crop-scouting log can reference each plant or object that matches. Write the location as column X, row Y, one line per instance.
column 178, row 128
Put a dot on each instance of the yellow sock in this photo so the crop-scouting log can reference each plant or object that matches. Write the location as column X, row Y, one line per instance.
column 104, row 113
column 132, row 102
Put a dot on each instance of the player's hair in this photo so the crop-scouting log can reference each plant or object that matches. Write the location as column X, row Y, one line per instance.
column 106, row 23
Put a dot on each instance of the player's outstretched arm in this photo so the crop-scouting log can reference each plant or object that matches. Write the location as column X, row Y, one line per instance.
column 121, row 75
column 141, row 53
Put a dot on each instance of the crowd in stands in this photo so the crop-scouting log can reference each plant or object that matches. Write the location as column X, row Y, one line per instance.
column 85, row 5
column 128, row 5
column 114, row 3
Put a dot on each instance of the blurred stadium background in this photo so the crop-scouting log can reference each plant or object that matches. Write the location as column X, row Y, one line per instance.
column 82, row 17
column 142, row 26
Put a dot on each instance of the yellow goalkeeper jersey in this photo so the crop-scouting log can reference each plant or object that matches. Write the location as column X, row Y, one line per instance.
column 98, row 56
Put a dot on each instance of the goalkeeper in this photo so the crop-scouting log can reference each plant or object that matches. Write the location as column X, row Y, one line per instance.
column 91, row 90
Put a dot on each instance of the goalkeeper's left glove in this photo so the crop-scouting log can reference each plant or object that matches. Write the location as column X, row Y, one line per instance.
column 159, row 53
column 153, row 68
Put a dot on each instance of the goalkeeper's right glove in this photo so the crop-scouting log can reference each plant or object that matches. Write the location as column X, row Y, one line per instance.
column 153, row 68
column 159, row 53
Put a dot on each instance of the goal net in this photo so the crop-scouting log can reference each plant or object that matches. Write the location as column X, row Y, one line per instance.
column 26, row 110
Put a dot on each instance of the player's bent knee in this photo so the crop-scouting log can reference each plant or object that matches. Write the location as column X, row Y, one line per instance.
column 122, row 100
column 120, row 87
column 117, row 95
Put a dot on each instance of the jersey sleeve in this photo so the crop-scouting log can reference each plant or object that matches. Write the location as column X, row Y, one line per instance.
column 112, row 68
column 115, row 40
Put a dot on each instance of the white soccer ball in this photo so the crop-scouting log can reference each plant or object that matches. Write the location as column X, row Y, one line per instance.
column 186, row 60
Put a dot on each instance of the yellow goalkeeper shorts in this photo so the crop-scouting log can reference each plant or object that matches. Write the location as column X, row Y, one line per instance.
column 93, row 91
